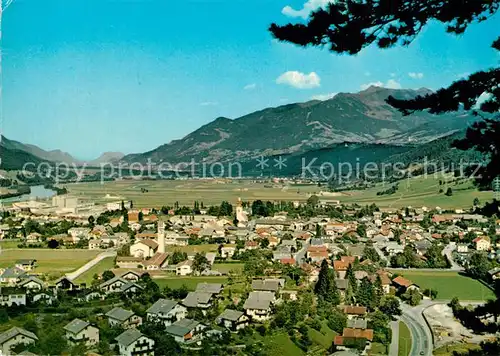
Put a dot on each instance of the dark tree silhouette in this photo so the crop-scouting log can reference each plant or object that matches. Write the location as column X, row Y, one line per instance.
column 348, row 26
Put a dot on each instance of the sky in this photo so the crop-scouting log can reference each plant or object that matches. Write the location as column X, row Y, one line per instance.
column 89, row 76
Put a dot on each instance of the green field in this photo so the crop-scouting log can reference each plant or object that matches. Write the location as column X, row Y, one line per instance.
column 105, row 264
column 189, row 282
column 237, row 268
column 193, row 248
column 459, row 348
column 419, row 191
column 404, row 344
column 167, row 192
column 8, row 244
column 51, row 262
column 323, row 338
column 449, row 284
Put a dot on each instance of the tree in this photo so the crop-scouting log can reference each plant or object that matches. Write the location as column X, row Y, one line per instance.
column 366, row 294
column 264, row 243
column 412, row 296
column 53, row 243
column 91, row 220
column 390, row 305
column 107, row 275
column 478, row 266
column 313, row 200
column 351, row 279
column 476, row 201
column 449, row 192
column 348, row 26
column 200, row 263
column 325, row 287
column 318, row 231
column 361, row 230
column 371, row 254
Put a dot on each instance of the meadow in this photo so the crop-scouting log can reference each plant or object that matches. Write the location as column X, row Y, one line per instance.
column 418, row 191
column 449, row 284
column 167, row 192
column 104, row 265
column 53, row 263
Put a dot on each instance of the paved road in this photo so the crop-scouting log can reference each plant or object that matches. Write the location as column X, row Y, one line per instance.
column 90, row 264
column 420, row 333
column 300, row 256
column 393, row 349
column 448, row 252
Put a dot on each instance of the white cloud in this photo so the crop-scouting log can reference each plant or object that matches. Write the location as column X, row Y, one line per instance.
column 307, row 8
column 250, row 86
column 209, row 103
column 414, row 75
column 391, row 84
column 299, row 80
column 323, row 97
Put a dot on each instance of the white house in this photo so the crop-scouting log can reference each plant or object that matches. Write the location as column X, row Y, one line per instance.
column 132, row 342
column 233, row 320
column 166, row 311
column 258, row 305
column 144, row 248
column 184, row 268
column 123, row 318
column 15, row 336
column 81, row 331
column 186, row 330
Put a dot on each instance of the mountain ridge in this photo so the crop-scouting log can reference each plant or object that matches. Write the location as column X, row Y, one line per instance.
column 299, row 127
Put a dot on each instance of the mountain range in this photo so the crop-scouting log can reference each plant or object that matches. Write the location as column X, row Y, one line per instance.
column 349, row 122
column 362, row 117
column 15, row 154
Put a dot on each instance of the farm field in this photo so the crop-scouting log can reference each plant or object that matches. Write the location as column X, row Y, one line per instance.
column 190, row 282
column 54, row 263
column 404, row 343
column 193, row 248
column 419, row 191
column 8, row 244
column 105, row 264
column 167, row 192
column 449, row 285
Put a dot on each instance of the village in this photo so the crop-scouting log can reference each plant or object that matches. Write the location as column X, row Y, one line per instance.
column 327, row 277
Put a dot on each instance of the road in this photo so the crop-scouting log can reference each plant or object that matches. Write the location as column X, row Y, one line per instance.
column 74, row 275
column 300, row 256
column 448, row 252
column 421, row 335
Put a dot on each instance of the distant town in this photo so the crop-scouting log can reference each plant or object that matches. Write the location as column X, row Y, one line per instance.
column 244, row 277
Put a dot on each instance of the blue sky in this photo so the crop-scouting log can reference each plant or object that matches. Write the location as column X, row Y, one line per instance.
column 88, row 76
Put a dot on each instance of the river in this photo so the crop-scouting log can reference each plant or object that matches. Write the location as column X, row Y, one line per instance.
column 37, row 192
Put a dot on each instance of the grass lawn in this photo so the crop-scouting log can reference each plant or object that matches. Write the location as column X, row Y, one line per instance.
column 54, row 263
column 189, row 282
column 377, row 349
column 5, row 244
column 237, row 268
column 450, row 285
column 105, row 264
column 280, row 344
column 449, row 349
column 404, row 340
column 323, row 338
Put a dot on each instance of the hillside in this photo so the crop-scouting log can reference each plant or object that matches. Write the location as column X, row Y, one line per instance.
column 52, row 156
column 14, row 157
column 362, row 117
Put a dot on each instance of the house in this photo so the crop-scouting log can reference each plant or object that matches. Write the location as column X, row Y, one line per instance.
column 210, row 256
column 113, row 285
column 81, row 331
column 185, row 330
column 158, row 261
column 198, row 300
column 354, row 311
column 144, row 248
column 15, row 336
column 25, row 265
column 213, row 288
column 251, row 245
column 31, row 283
column 129, row 262
column 123, row 318
column 184, row 268
column 494, row 273
column 78, row 233
column 11, row 275
column 462, row 248
column 131, row 276
column 166, row 311
column 132, row 342
column 317, row 253
column 268, row 285
column 65, row 283
column 483, row 243
column 10, row 296
column 403, row 284
column 227, row 251
column 357, row 323
column 232, row 320
column 258, row 305
column 351, row 337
